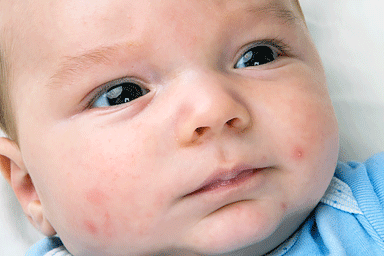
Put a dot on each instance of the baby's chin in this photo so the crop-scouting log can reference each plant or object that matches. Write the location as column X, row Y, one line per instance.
column 254, row 232
column 241, row 226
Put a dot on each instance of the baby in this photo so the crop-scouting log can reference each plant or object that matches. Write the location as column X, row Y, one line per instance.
column 178, row 127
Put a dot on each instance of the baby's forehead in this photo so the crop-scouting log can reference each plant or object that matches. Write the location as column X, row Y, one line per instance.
column 22, row 7
column 20, row 13
column 71, row 16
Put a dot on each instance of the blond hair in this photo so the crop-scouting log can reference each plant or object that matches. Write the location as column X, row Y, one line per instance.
column 7, row 120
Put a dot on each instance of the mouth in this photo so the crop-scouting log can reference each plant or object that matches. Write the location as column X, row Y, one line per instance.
column 223, row 180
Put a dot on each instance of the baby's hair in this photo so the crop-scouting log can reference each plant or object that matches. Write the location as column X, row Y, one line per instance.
column 297, row 4
column 7, row 124
column 7, row 121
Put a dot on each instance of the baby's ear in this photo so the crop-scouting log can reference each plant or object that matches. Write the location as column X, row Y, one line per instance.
column 13, row 169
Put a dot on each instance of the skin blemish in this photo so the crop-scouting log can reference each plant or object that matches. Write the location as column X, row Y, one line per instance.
column 90, row 227
column 298, row 153
column 96, row 197
column 107, row 226
column 284, row 206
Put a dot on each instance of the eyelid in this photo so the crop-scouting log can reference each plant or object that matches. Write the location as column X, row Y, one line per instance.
column 99, row 91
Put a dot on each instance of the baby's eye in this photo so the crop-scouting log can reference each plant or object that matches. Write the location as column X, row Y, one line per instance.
column 259, row 55
column 120, row 93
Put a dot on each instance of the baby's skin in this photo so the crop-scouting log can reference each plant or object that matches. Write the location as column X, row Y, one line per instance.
column 167, row 126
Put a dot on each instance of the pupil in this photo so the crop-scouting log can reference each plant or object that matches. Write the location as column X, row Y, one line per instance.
column 123, row 93
column 260, row 55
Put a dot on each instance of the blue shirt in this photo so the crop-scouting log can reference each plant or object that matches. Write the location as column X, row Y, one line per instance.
column 349, row 220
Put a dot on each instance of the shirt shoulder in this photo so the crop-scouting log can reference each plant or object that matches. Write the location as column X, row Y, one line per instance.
column 366, row 181
column 49, row 246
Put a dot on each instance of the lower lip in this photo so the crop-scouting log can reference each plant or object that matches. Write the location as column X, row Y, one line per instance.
column 228, row 184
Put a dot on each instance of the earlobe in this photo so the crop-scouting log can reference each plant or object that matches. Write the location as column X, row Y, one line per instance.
column 37, row 218
column 13, row 169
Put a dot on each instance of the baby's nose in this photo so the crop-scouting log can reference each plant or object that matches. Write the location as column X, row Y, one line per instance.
column 210, row 107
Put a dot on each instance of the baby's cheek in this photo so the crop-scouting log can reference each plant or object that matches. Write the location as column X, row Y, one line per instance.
column 121, row 213
column 91, row 227
column 312, row 154
column 101, row 227
column 100, row 221
column 312, row 134
column 96, row 197
column 305, row 150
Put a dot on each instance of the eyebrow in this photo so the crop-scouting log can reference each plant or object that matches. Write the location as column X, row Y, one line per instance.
column 73, row 66
column 282, row 14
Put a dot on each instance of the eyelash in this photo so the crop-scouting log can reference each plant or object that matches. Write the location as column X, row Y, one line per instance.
column 106, row 88
column 276, row 45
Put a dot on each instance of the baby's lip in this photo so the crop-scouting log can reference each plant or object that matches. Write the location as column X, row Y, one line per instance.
column 226, row 178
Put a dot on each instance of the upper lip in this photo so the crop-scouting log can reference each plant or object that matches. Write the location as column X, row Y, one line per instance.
column 222, row 175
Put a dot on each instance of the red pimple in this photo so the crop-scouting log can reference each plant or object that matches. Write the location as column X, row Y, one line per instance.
column 298, row 153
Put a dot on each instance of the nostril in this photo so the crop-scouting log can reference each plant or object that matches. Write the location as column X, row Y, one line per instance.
column 233, row 122
column 201, row 130
column 237, row 123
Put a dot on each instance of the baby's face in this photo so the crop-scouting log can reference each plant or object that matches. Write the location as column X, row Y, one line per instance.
column 149, row 126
